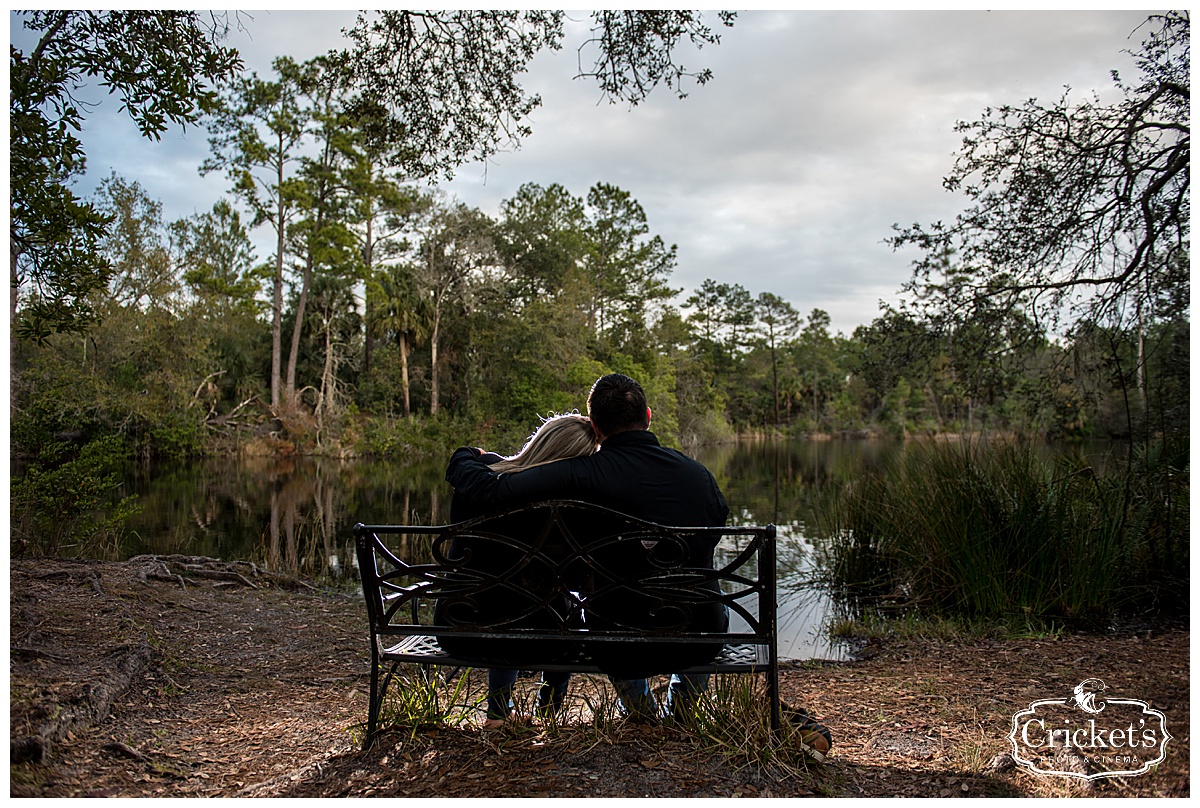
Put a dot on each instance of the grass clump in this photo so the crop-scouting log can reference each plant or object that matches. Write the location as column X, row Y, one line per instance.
column 414, row 703
column 731, row 722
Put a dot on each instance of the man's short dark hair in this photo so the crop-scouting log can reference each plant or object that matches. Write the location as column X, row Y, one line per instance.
column 617, row 404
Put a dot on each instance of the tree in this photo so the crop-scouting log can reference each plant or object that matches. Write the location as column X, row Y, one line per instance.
column 217, row 258
column 396, row 305
column 627, row 267
column 257, row 133
column 706, row 302
column 337, row 324
column 540, row 239
column 736, row 315
column 383, row 207
column 722, row 321
column 457, row 244
column 451, row 78
column 163, row 64
column 214, row 253
column 1082, row 206
column 322, row 236
column 778, row 321
column 815, row 353
column 143, row 274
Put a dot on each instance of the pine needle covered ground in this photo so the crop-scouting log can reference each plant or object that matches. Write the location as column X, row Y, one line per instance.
column 126, row 682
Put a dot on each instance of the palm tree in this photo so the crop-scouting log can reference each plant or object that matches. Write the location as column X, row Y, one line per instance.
column 397, row 307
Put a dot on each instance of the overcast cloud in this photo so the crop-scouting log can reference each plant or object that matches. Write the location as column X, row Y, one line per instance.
column 785, row 173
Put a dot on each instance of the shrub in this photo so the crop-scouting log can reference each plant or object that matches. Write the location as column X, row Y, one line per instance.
column 67, row 502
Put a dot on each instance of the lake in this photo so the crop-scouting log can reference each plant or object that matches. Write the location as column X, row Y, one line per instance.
column 296, row 514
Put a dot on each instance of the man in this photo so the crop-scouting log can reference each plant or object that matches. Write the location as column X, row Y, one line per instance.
column 634, row 474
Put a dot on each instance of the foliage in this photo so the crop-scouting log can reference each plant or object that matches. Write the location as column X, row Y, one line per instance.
column 430, row 437
column 142, row 370
column 451, row 79
column 162, row 64
column 1084, row 204
column 636, row 50
column 66, row 501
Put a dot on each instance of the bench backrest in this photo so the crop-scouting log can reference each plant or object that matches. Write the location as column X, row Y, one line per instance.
column 567, row 568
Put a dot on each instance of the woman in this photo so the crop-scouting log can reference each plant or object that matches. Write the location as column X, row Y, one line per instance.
column 558, row 438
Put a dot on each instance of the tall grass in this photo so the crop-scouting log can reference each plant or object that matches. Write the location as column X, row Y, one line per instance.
column 733, row 722
column 991, row 530
column 730, row 722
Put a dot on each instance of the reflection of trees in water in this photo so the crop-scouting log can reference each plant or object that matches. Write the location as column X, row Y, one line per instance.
column 314, row 505
column 295, row 515
column 783, row 481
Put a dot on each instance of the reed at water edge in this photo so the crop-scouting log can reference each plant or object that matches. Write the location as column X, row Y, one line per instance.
column 989, row 529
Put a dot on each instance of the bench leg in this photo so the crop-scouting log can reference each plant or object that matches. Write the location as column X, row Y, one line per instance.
column 375, row 700
column 375, row 706
column 773, row 696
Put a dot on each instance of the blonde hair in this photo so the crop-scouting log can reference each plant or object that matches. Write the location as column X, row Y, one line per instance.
column 558, row 438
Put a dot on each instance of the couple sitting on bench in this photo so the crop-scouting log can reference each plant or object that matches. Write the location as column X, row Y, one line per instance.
column 612, row 460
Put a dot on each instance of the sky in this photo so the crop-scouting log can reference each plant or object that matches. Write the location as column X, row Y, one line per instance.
column 785, row 173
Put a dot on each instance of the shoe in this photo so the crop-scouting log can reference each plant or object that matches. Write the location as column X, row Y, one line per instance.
column 514, row 719
column 812, row 736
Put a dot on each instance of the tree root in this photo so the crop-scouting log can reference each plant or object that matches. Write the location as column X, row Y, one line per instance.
column 218, row 575
column 178, row 568
column 89, row 709
column 125, row 751
column 90, row 575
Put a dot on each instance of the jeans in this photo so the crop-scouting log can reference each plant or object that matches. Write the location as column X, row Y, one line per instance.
column 500, row 688
column 636, row 698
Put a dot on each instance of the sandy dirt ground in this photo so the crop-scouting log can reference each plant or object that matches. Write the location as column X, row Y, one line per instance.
column 128, row 681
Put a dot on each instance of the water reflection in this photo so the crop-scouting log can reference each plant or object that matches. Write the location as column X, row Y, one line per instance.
column 296, row 515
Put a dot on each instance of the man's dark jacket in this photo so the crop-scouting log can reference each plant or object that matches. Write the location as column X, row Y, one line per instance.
column 635, row 475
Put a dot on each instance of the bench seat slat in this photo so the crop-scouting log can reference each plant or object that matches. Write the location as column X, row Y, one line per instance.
column 423, row 649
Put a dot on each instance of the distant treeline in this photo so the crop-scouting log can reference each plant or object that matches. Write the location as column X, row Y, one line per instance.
column 456, row 325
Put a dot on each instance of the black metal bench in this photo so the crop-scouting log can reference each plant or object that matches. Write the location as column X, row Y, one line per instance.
column 540, row 572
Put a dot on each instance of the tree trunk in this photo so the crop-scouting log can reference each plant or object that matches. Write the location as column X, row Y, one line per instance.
column 1141, row 364
column 775, row 383
column 299, row 326
column 402, row 342
column 14, row 255
column 277, row 310
column 328, row 379
column 368, row 251
column 816, row 410
column 433, row 361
